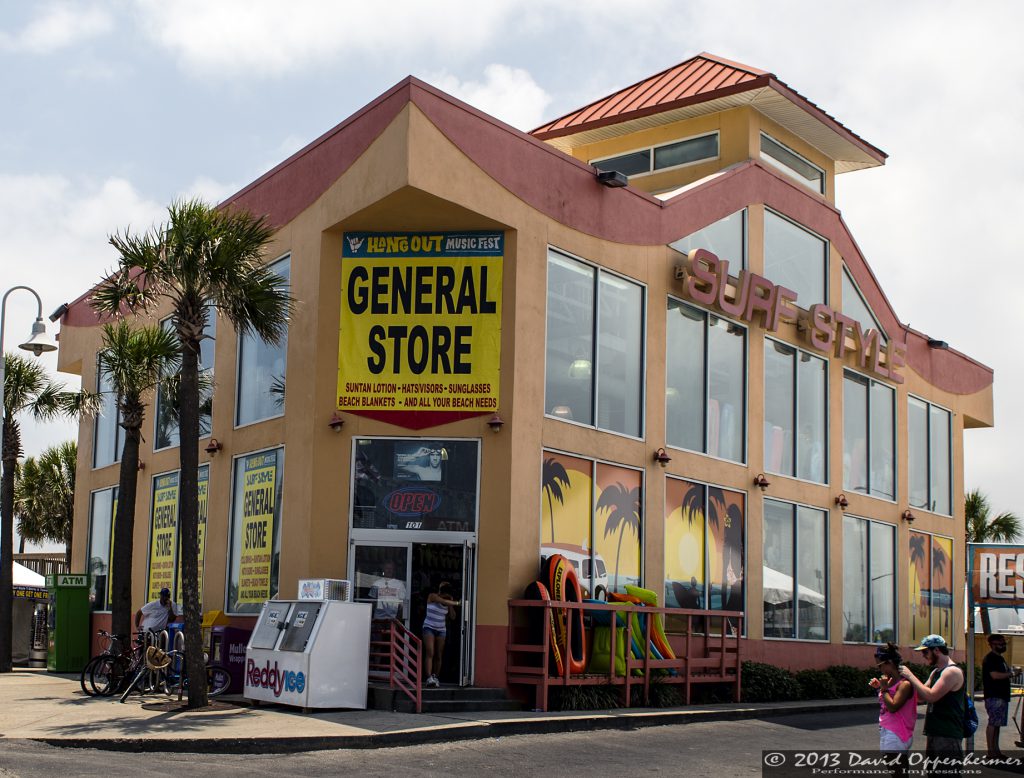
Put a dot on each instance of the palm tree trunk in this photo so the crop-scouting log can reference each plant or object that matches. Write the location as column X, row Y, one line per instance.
column 124, row 534
column 188, row 512
column 21, row 544
column 551, row 513
column 618, row 553
column 9, row 456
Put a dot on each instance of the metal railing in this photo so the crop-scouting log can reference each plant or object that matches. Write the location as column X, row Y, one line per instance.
column 396, row 657
column 702, row 655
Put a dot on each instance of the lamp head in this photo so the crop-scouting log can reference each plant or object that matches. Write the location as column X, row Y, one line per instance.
column 40, row 342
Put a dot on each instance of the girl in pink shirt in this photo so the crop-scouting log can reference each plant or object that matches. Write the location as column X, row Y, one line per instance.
column 897, row 700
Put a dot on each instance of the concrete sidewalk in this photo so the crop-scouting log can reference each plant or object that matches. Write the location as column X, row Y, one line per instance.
column 35, row 705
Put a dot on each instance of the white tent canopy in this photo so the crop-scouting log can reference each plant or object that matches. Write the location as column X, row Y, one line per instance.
column 778, row 589
column 25, row 577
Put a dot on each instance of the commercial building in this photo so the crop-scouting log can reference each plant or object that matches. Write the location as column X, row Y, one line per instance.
column 693, row 382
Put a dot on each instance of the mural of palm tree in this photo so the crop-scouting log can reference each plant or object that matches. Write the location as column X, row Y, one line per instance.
column 623, row 506
column 554, row 478
column 918, row 553
column 939, row 560
column 692, row 510
column 982, row 527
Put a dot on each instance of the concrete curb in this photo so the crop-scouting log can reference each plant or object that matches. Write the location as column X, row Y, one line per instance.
column 621, row 720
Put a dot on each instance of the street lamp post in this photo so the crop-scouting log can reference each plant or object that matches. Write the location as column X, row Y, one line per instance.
column 37, row 343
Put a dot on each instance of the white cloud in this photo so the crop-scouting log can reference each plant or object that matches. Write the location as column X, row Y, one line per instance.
column 266, row 37
column 510, row 94
column 58, row 26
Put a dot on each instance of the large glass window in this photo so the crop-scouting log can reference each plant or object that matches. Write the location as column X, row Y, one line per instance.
column 869, row 437
column 705, row 395
column 796, row 412
column 591, row 514
column 792, row 164
column 795, row 574
column 705, row 557
column 795, row 258
column 576, row 338
column 930, row 586
column 102, row 507
column 415, row 484
column 262, row 369
column 855, row 307
column 726, row 239
column 930, row 456
column 167, row 414
column 255, row 530
column 107, row 434
column 675, row 154
column 869, row 581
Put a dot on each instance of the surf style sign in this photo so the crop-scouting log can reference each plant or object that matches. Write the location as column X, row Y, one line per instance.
column 420, row 330
column 996, row 574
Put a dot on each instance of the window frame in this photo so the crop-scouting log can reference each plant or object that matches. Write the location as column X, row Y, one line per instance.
column 110, row 541
column 826, row 573
column 118, row 433
column 796, row 414
column 928, row 454
column 856, row 288
column 895, row 585
column 651, row 155
column 867, row 438
column 782, row 167
column 744, row 237
column 596, row 345
column 238, row 359
column 156, row 390
column 825, row 258
column 745, row 437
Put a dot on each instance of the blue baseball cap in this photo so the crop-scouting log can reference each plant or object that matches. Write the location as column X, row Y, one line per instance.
column 931, row 641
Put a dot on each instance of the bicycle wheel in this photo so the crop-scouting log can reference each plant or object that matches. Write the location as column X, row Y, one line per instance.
column 218, row 680
column 84, row 679
column 108, row 675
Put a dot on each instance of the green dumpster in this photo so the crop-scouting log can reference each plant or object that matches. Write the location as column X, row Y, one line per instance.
column 68, row 622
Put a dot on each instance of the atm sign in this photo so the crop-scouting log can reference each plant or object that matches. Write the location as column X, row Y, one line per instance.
column 67, row 580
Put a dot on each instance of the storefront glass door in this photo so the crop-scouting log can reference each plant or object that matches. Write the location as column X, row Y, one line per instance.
column 397, row 578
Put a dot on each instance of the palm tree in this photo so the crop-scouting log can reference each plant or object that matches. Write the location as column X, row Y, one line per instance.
column 203, row 256
column 133, row 361
column 27, row 389
column 623, row 506
column 554, row 477
column 982, row 527
column 918, row 556
column 44, row 497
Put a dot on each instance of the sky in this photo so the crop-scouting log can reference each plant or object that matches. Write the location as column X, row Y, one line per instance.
column 114, row 109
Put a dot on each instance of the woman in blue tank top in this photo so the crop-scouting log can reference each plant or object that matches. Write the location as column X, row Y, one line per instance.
column 440, row 607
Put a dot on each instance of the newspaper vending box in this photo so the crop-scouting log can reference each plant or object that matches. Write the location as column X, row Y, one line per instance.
column 310, row 653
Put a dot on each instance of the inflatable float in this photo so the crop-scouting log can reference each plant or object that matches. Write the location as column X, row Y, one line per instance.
column 538, row 591
column 564, row 586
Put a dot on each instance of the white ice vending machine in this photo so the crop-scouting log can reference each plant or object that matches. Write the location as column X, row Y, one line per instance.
column 310, row 653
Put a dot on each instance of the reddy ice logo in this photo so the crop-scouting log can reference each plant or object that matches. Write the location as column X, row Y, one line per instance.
column 412, row 501
column 272, row 678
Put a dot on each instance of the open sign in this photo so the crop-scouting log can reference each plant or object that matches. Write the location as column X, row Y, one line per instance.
column 412, row 501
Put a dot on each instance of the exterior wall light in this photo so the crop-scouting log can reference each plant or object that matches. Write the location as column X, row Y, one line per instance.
column 336, row 422
column 907, row 516
column 761, row 482
column 842, row 502
column 141, row 465
column 213, row 446
column 495, row 423
column 662, row 457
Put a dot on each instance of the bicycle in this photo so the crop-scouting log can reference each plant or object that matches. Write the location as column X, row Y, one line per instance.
column 112, row 649
column 169, row 672
column 108, row 675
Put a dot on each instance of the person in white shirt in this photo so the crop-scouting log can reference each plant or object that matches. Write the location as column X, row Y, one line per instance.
column 388, row 594
column 154, row 616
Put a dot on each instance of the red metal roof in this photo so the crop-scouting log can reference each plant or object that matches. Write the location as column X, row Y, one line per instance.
column 699, row 79
column 704, row 74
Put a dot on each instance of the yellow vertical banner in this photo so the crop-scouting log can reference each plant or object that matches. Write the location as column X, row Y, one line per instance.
column 203, row 491
column 259, row 497
column 163, row 543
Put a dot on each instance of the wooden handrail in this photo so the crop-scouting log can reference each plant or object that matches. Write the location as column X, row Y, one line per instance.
column 406, row 663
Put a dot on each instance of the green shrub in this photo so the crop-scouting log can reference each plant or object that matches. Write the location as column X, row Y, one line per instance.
column 585, row 698
column 768, row 683
column 817, row 685
column 851, row 681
